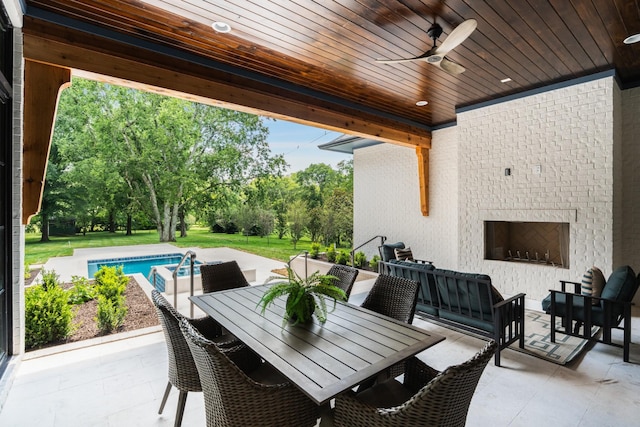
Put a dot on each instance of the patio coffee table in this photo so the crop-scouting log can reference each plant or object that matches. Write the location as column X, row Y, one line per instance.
column 322, row 360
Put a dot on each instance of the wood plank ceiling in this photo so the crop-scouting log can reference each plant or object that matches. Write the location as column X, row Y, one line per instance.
column 328, row 48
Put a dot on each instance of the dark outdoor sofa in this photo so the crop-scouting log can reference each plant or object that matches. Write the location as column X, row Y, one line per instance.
column 608, row 311
column 464, row 300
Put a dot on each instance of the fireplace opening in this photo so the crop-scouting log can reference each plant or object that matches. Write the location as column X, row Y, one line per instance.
column 541, row 243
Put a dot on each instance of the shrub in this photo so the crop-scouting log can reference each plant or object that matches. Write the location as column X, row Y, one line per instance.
column 50, row 279
column 360, row 259
column 331, row 253
column 48, row 316
column 112, row 309
column 82, row 291
column 110, row 314
column 27, row 270
column 343, row 258
column 315, row 250
column 374, row 262
column 111, row 282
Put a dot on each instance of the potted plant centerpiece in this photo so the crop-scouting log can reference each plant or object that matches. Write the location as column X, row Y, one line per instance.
column 306, row 297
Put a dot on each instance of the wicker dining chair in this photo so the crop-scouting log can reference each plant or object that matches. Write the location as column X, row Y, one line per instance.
column 394, row 297
column 346, row 277
column 426, row 398
column 221, row 276
column 183, row 373
column 240, row 390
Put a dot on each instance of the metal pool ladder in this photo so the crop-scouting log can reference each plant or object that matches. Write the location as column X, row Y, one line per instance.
column 192, row 256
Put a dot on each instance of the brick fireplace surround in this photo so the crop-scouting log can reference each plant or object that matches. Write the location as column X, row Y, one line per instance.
column 572, row 159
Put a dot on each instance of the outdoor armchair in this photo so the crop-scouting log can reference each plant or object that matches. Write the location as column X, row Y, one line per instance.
column 221, row 276
column 241, row 390
column 425, row 398
column 608, row 311
column 183, row 373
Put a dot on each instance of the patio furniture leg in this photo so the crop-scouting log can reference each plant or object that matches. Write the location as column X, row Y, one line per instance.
column 181, row 402
column 164, row 398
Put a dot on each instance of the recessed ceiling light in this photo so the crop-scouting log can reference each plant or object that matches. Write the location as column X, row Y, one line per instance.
column 421, row 103
column 507, row 80
column 632, row 39
column 221, row 27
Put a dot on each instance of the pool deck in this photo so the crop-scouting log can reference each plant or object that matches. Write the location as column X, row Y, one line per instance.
column 76, row 265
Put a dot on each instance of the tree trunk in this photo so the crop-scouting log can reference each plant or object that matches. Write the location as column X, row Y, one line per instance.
column 45, row 228
column 182, row 222
column 129, row 220
column 112, row 222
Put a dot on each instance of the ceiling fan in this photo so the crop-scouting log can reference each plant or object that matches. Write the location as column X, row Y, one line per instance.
column 436, row 55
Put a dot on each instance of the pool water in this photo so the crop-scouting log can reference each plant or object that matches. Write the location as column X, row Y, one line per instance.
column 142, row 264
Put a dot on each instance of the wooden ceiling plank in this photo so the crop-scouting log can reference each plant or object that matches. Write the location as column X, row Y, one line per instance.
column 182, row 77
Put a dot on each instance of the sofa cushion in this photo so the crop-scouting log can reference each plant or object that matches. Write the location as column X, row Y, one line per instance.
column 592, row 283
column 387, row 250
column 621, row 285
column 578, row 313
column 427, row 295
column 464, row 291
column 403, row 254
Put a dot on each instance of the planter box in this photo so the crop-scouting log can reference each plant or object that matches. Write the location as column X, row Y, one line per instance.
column 298, row 265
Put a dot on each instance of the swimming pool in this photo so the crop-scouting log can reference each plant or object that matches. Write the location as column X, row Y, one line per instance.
column 142, row 264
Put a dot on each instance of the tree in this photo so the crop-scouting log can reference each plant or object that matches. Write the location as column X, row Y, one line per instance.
column 168, row 153
column 297, row 216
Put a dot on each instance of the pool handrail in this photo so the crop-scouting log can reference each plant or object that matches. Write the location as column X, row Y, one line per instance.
column 192, row 256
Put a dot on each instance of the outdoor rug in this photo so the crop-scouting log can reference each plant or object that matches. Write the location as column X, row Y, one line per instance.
column 537, row 341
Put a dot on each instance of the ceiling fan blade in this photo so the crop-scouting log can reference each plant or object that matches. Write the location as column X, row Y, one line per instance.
column 399, row 60
column 450, row 66
column 457, row 36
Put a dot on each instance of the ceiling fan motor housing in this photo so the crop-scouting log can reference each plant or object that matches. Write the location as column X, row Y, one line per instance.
column 434, row 31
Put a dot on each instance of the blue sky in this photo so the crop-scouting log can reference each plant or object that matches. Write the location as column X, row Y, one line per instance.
column 299, row 144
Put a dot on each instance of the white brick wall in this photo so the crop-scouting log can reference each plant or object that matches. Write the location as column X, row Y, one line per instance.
column 569, row 133
column 582, row 136
column 387, row 199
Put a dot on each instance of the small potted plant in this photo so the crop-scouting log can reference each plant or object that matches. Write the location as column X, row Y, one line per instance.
column 305, row 297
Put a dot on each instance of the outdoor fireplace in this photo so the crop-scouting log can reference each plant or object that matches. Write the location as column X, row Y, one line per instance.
column 540, row 243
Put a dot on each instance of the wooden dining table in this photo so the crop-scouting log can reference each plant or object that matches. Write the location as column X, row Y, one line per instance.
column 321, row 359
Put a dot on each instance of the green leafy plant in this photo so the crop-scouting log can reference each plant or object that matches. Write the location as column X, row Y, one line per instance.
column 110, row 314
column 331, row 253
column 343, row 258
column 27, row 270
column 111, row 282
column 82, row 290
column 305, row 297
column 50, row 279
column 315, row 250
column 110, row 286
column 48, row 316
column 360, row 259
column 374, row 262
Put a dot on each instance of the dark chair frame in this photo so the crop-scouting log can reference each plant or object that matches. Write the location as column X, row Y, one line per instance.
column 439, row 398
column 182, row 371
column 586, row 322
column 222, row 276
column 346, row 277
column 234, row 398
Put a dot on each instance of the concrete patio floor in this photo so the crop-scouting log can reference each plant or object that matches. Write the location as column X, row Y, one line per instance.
column 120, row 383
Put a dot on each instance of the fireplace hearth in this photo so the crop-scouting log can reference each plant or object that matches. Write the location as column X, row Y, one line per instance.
column 540, row 243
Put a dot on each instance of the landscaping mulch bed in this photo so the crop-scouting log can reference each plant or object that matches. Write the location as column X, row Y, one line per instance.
column 140, row 314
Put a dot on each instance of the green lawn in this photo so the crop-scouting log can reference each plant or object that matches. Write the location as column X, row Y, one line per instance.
column 272, row 247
